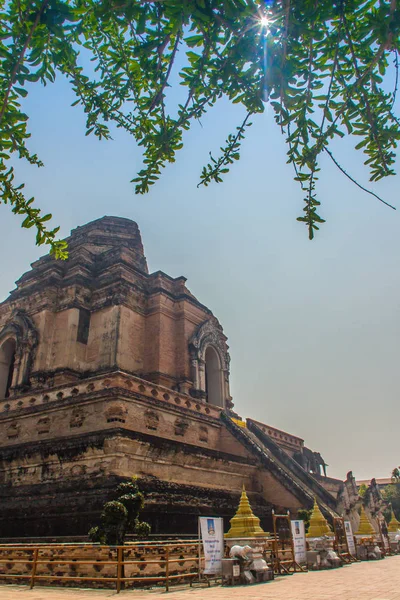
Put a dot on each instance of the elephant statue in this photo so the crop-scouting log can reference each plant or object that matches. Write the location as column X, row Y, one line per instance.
column 312, row 462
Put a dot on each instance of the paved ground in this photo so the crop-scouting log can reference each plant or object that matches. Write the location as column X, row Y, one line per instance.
column 363, row 581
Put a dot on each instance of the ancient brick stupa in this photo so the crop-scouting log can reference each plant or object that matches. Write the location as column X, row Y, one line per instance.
column 394, row 524
column 108, row 370
column 365, row 527
column 318, row 524
column 244, row 524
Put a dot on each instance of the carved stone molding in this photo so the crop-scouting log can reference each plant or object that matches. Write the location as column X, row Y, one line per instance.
column 207, row 334
column 77, row 418
column 180, row 427
column 151, row 420
column 21, row 327
column 116, row 413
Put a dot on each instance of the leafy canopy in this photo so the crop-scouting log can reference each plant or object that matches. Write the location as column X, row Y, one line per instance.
column 391, row 494
column 362, row 490
column 328, row 68
column 396, row 475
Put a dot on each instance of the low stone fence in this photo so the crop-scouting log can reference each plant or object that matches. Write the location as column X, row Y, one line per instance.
column 120, row 567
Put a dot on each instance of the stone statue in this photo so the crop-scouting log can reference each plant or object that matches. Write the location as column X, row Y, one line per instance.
column 373, row 499
column 348, row 501
column 374, row 503
column 243, row 552
column 311, row 461
column 320, row 463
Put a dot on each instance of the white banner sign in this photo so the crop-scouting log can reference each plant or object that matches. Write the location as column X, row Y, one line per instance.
column 350, row 538
column 212, row 534
column 299, row 540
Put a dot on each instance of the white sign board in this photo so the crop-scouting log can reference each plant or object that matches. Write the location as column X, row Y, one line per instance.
column 212, row 534
column 236, row 570
column 299, row 541
column 350, row 538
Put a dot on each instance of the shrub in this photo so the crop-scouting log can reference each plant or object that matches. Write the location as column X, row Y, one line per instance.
column 121, row 516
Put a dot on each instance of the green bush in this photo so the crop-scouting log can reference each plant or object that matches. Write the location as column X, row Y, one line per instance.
column 121, row 516
column 304, row 515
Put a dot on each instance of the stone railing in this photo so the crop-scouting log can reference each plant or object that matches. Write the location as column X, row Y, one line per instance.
column 281, row 437
column 101, row 383
column 311, row 485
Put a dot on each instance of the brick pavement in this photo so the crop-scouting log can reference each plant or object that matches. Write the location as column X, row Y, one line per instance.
column 363, row 581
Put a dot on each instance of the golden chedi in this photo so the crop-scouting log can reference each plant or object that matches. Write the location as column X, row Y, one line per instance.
column 318, row 524
column 244, row 524
column 394, row 524
column 365, row 527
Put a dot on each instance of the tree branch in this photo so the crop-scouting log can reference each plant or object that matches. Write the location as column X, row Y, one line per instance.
column 21, row 56
column 157, row 97
column 356, row 182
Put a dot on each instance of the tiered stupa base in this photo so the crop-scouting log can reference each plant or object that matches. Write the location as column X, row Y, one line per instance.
column 365, row 537
column 394, row 534
column 320, row 553
column 246, row 531
column 245, row 524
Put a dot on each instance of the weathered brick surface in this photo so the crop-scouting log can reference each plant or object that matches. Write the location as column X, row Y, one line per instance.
column 140, row 322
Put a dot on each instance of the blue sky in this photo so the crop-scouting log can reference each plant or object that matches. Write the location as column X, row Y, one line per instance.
column 313, row 327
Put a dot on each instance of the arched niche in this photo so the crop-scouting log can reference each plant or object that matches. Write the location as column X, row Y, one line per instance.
column 214, row 377
column 210, row 364
column 7, row 364
column 18, row 342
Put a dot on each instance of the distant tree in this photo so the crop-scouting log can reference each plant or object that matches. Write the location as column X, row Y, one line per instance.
column 391, row 493
column 327, row 68
column 396, row 475
column 121, row 516
column 362, row 490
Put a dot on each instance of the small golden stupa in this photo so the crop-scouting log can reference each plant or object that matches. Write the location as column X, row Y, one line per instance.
column 365, row 526
column 318, row 524
column 244, row 524
column 394, row 524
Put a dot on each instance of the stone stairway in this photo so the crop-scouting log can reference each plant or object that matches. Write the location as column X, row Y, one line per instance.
column 282, row 466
